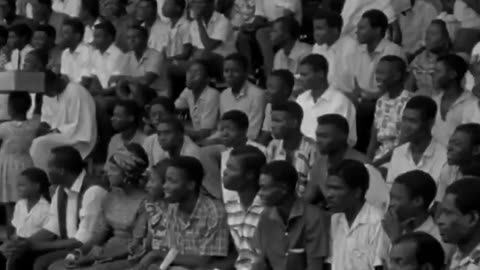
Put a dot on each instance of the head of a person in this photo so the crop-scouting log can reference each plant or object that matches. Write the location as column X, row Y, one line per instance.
column 126, row 115
column 233, row 127
column 173, row 8
column 44, row 37
column 33, row 182
column 146, row 10
column 3, row 36
column 449, row 70
column 202, row 7
column 103, row 35
column 183, row 179
column 65, row 164
column 54, row 84
column 280, row 85
column 41, row 10
column 112, row 8
column 287, row 118
column 372, row 27
column 390, row 72
column 411, row 194
column 7, row 8
column 347, row 184
column 437, row 39
column 243, row 168
column 464, row 145
column 90, row 9
column 19, row 36
column 72, row 32
column 327, row 26
column 416, row 251
column 331, row 133
column 170, row 132
column 198, row 75
column 156, row 179
column 36, row 61
column 235, row 70
column 418, row 118
column 137, row 38
column 313, row 71
column 126, row 167
column 459, row 212
column 284, row 30
column 160, row 107
column 19, row 103
column 278, row 182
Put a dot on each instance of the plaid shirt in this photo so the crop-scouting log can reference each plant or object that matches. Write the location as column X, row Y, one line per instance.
column 470, row 262
column 204, row 233
column 302, row 159
column 157, row 226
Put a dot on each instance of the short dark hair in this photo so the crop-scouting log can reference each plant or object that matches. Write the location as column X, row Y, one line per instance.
column 47, row 29
column 290, row 25
column 22, row 30
column 427, row 249
column 251, row 158
column 68, row 158
column 419, row 184
column 143, row 31
column 240, row 59
column 173, row 122
column 455, row 63
column 426, row 106
column 181, row 3
column 333, row 19
column 398, row 62
column 151, row 2
column 108, row 27
column 377, row 19
column 239, row 118
column 165, row 102
column 131, row 107
column 316, row 62
column 282, row 172
column 77, row 26
column 286, row 76
column 336, row 120
column 291, row 108
column 92, row 6
column 191, row 167
column 466, row 193
column 40, row 177
column 353, row 173
column 41, row 55
column 205, row 64
column 20, row 102
column 47, row 3
column 472, row 130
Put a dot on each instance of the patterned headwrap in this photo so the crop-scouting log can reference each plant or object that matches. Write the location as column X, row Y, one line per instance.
column 133, row 162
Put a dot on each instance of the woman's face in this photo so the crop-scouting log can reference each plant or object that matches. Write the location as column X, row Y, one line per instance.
column 434, row 38
column 115, row 175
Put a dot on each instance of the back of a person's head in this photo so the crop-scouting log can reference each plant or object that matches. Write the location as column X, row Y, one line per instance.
column 377, row 19
column 22, row 30
column 47, row 29
column 335, row 120
column 425, row 105
column 173, row 121
column 455, row 63
column 466, row 195
column 333, row 19
column 40, row 177
column 191, row 167
column 19, row 102
column 139, row 152
column 165, row 102
column 318, row 63
column 419, row 185
column 353, row 173
column 286, row 76
column 77, row 26
column 282, row 172
column 251, row 158
column 67, row 158
column 290, row 25
column 291, row 108
column 238, row 118
column 428, row 251
column 107, row 27
column 239, row 59
column 399, row 64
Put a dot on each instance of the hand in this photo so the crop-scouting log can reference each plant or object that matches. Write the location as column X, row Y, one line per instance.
column 15, row 247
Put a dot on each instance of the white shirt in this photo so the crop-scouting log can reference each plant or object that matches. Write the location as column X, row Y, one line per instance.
column 353, row 10
column 158, row 36
column 75, row 65
column 68, row 7
column 468, row 17
column 332, row 101
column 431, row 162
column 88, row 214
column 27, row 223
column 105, row 65
column 360, row 246
column 178, row 36
column 18, row 58
column 218, row 28
column 274, row 9
column 156, row 153
column 291, row 61
column 339, row 57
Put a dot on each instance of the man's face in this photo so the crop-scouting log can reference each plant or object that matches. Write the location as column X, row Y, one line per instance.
column 69, row 36
column 442, row 76
column 276, row 91
column 434, row 38
column 234, row 73
column 233, row 175
column 386, row 76
column 412, row 124
column 121, row 120
column 281, row 124
column 167, row 136
column 278, row 35
column 40, row 40
column 156, row 112
column 308, row 77
column 14, row 41
column 321, row 32
column 328, row 139
column 403, row 257
column 170, row 8
column 454, row 226
column 135, row 40
column 145, row 11
column 400, row 202
column 339, row 196
column 101, row 40
column 460, row 148
column 155, row 184
column 201, row 7
column 176, row 187
column 271, row 193
column 196, row 76
column 55, row 173
column 109, row 8
column 229, row 133
column 365, row 32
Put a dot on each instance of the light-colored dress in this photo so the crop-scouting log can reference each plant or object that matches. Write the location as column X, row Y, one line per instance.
column 16, row 137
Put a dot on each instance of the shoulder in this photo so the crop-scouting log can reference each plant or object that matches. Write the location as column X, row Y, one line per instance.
column 254, row 90
column 212, row 93
column 219, row 18
column 226, row 93
column 149, row 140
column 315, row 215
column 95, row 183
column 304, row 97
column 212, row 208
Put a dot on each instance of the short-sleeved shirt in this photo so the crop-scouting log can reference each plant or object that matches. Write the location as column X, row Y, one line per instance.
column 203, row 233
column 218, row 28
column 157, row 223
column 178, row 36
column 305, row 237
column 75, row 64
column 150, row 62
column 27, row 223
column 105, row 65
column 291, row 61
column 203, row 111
column 361, row 245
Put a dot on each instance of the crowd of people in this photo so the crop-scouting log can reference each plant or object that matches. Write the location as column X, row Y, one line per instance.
column 241, row 134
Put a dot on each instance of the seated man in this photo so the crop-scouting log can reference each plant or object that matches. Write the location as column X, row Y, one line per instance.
column 68, row 117
column 74, row 211
column 204, row 242
column 291, row 234
column 19, row 38
column 75, row 61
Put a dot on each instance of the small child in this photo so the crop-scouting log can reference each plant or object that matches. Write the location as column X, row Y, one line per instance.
column 31, row 211
column 16, row 137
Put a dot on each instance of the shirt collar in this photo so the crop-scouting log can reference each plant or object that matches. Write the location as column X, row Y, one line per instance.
column 298, row 209
column 429, row 152
column 243, row 91
column 380, row 47
column 326, row 96
column 77, row 185
column 465, row 96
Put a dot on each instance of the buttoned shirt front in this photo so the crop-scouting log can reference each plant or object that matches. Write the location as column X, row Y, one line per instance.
column 431, row 162
column 88, row 214
column 150, row 62
column 469, row 262
column 331, row 101
column 291, row 61
column 76, row 64
column 203, row 111
column 105, row 65
column 218, row 28
column 361, row 245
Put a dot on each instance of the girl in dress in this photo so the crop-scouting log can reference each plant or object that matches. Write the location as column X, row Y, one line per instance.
column 16, row 136
column 31, row 211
